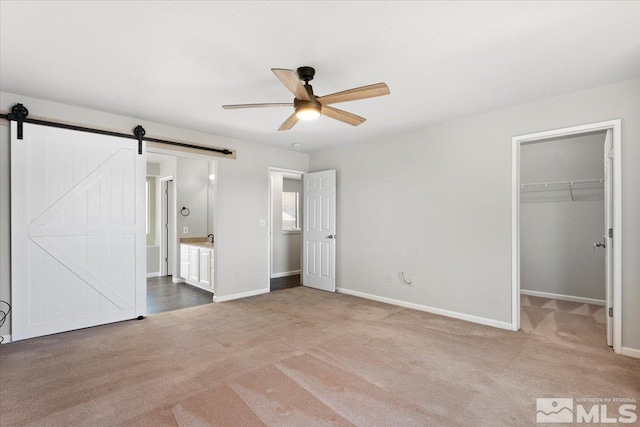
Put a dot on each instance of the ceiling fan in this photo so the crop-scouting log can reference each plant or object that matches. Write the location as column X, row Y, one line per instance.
column 309, row 106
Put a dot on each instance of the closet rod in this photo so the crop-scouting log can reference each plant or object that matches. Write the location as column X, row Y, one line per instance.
column 19, row 114
column 555, row 184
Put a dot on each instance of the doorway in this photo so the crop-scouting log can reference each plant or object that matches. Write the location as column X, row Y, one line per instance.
column 285, row 229
column 183, row 253
column 167, row 228
column 566, row 232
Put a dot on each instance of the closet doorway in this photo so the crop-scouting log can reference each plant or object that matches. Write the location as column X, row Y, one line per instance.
column 566, row 230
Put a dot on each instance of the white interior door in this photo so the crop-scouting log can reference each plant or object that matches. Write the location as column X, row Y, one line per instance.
column 608, row 231
column 77, row 230
column 319, row 230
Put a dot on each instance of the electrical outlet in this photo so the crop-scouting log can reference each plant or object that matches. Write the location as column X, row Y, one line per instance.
column 262, row 223
column 389, row 278
column 185, row 230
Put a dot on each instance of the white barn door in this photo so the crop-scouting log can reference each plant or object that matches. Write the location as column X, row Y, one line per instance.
column 319, row 230
column 77, row 230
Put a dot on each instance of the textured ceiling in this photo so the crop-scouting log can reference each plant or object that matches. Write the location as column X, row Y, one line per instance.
column 178, row 62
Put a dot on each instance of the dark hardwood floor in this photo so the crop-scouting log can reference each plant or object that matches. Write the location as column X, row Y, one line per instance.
column 280, row 283
column 164, row 295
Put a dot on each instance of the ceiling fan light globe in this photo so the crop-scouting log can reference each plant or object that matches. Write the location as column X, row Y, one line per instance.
column 307, row 113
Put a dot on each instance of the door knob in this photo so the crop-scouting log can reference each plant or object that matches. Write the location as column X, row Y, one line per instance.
column 331, row 236
column 599, row 245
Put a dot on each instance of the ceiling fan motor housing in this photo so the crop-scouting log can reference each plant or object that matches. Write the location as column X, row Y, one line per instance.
column 299, row 104
column 306, row 73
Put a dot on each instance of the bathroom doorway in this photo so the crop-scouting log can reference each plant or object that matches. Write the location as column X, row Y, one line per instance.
column 180, row 238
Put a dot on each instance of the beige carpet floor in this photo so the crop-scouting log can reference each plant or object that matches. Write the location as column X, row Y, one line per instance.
column 302, row 357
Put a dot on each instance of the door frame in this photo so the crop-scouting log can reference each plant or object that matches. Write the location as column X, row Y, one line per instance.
column 270, row 220
column 616, row 127
column 166, row 233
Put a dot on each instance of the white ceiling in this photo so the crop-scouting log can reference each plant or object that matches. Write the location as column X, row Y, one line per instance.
column 178, row 62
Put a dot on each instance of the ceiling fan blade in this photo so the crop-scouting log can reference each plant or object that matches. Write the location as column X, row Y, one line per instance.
column 343, row 116
column 289, row 123
column 378, row 89
column 290, row 79
column 272, row 104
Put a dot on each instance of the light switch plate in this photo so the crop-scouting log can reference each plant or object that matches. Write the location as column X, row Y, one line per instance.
column 185, row 230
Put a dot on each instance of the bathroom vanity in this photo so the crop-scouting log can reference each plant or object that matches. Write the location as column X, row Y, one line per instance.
column 196, row 262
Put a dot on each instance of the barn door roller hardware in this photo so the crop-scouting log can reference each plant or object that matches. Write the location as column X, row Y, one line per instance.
column 19, row 114
column 139, row 132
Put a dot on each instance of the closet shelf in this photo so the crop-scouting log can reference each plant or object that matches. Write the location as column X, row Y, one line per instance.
column 563, row 191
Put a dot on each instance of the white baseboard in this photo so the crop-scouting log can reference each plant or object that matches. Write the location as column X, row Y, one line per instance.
column 631, row 352
column 6, row 339
column 434, row 310
column 285, row 274
column 175, row 279
column 563, row 297
column 156, row 274
column 240, row 295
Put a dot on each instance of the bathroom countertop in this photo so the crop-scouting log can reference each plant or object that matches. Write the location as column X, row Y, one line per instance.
column 203, row 242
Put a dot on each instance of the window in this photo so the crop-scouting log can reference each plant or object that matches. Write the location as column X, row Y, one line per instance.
column 290, row 211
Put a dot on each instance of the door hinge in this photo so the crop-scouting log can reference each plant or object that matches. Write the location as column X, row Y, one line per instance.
column 610, row 311
column 611, row 233
column 610, row 154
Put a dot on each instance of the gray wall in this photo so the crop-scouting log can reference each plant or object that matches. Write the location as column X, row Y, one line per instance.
column 437, row 202
column 286, row 247
column 556, row 237
column 193, row 193
column 577, row 157
column 153, row 169
column 556, row 254
column 153, row 259
column 152, row 237
column 242, row 190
